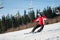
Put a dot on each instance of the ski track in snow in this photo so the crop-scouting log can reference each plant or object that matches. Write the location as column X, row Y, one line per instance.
column 50, row 32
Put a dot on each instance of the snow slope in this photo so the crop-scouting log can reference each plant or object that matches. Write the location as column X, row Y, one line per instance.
column 50, row 32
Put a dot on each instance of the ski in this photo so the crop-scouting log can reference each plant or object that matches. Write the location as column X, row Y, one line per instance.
column 31, row 32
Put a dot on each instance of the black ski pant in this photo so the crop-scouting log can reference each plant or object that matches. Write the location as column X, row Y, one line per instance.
column 42, row 26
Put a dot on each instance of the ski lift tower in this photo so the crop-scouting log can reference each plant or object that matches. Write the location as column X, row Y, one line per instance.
column 30, row 10
column 31, row 6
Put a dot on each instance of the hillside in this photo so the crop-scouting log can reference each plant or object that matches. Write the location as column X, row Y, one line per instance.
column 50, row 32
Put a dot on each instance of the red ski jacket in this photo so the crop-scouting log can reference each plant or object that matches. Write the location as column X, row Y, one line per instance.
column 40, row 20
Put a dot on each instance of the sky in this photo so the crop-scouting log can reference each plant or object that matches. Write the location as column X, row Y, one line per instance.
column 12, row 6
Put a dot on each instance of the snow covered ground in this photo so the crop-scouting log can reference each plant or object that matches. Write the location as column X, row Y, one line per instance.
column 50, row 32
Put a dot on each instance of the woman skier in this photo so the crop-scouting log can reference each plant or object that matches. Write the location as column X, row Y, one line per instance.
column 40, row 19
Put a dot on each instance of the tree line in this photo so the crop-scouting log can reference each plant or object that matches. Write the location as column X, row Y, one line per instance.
column 11, row 21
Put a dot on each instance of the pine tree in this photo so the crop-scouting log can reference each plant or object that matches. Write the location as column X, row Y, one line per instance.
column 8, row 21
column 54, row 12
column 37, row 13
column 25, row 18
column 0, row 26
column 3, row 24
column 31, row 15
column 48, row 12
